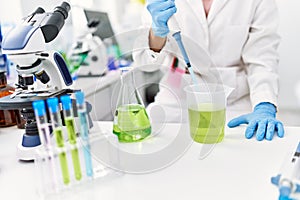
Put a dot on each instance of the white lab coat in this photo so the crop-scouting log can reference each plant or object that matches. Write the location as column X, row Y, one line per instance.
column 235, row 45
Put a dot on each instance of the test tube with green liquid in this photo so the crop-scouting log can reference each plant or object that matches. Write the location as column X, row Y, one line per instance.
column 58, row 134
column 69, row 122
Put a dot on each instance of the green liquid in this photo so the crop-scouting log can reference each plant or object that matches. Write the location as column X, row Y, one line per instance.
column 131, row 123
column 71, row 130
column 62, row 156
column 64, row 167
column 72, row 139
column 207, row 126
column 76, row 164
column 59, row 137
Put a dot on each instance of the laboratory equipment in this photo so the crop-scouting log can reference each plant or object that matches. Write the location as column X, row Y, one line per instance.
column 69, row 122
column 59, row 138
column 7, row 117
column 55, row 161
column 44, row 133
column 207, row 111
column 131, row 121
column 174, row 26
column 106, row 33
column 103, row 147
column 41, row 73
column 87, row 56
column 84, row 132
column 112, row 54
column 59, row 156
column 288, row 180
column 20, row 120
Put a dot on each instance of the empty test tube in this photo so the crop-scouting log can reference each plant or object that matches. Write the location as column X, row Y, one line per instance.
column 44, row 133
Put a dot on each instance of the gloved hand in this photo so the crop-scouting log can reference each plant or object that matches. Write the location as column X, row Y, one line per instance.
column 262, row 120
column 161, row 11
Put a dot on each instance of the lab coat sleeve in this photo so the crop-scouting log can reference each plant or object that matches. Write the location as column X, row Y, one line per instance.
column 146, row 59
column 260, row 54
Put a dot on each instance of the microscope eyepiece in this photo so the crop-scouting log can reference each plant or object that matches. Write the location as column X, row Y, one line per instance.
column 55, row 22
column 64, row 8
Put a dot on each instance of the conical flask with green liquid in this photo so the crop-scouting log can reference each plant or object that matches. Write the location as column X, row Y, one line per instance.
column 131, row 121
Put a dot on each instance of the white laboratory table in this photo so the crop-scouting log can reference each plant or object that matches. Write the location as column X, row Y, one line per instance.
column 236, row 168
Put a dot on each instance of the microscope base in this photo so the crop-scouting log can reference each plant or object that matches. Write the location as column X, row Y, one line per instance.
column 26, row 153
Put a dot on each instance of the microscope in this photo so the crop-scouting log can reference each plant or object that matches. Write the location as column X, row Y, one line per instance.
column 87, row 56
column 41, row 73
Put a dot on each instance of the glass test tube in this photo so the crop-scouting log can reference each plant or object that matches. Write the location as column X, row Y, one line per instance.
column 44, row 133
column 84, row 132
column 69, row 121
column 58, row 134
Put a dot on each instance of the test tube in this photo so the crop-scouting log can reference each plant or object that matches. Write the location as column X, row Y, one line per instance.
column 58, row 134
column 69, row 121
column 84, row 132
column 44, row 133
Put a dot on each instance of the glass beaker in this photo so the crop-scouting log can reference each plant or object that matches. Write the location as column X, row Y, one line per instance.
column 207, row 111
column 131, row 121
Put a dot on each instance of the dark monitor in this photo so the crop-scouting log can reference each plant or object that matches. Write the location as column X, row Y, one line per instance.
column 104, row 29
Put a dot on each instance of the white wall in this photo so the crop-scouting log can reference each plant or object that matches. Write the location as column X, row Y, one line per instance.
column 9, row 7
column 289, row 50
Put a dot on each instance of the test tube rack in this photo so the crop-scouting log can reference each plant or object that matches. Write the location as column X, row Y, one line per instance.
column 105, row 159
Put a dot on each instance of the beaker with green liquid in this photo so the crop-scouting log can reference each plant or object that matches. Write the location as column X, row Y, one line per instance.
column 131, row 121
column 207, row 111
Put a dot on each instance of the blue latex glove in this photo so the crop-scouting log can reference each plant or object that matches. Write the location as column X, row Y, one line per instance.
column 161, row 11
column 262, row 121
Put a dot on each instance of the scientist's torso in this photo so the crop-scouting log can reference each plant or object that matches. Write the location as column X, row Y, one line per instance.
column 214, row 33
column 224, row 30
column 221, row 29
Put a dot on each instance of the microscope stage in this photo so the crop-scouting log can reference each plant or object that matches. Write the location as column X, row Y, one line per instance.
column 23, row 100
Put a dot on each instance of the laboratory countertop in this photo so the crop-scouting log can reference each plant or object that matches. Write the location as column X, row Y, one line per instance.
column 169, row 166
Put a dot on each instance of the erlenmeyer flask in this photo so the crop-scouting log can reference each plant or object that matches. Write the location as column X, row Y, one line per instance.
column 131, row 122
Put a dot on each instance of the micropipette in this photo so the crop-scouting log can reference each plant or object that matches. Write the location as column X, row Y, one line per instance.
column 69, row 121
column 173, row 24
column 84, row 132
column 44, row 133
column 288, row 181
column 58, row 134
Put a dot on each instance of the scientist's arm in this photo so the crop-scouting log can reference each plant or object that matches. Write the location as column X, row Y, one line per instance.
column 261, row 58
column 156, row 43
column 161, row 11
column 152, row 48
